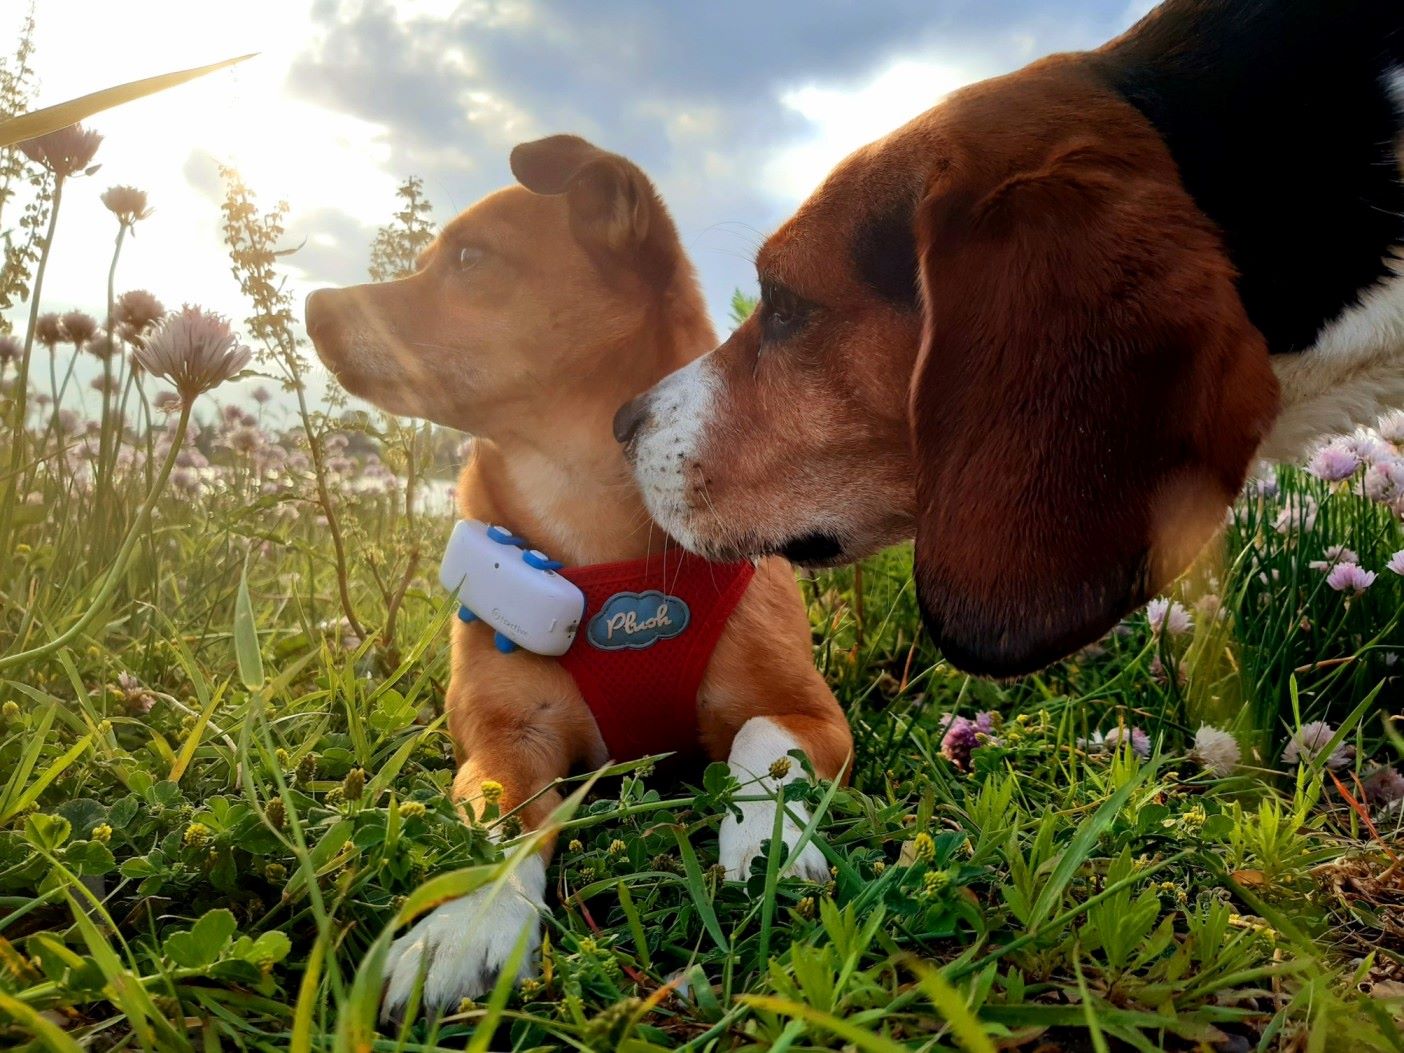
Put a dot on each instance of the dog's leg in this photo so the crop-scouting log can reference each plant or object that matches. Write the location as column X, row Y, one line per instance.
column 461, row 946
column 760, row 761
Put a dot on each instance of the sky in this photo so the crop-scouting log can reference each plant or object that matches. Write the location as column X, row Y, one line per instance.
column 735, row 109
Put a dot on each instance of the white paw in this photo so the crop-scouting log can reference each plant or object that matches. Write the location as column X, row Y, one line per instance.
column 741, row 841
column 758, row 745
column 462, row 946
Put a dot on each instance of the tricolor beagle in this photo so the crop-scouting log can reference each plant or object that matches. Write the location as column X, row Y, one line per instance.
column 1045, row 327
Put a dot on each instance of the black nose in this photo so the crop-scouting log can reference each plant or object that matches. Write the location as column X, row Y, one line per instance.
column 630, row 419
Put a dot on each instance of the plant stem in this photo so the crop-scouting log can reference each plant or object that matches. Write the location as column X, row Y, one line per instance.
column 119, row 564
column 18, row 434
column 106, row 447
column 314, row 444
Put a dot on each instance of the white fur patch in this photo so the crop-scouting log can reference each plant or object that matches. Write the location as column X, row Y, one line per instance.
column 462, row 945
column 1354, row 373
column 1352, row 376
column 1394, row 84
column 680, row 410
column 758, row 745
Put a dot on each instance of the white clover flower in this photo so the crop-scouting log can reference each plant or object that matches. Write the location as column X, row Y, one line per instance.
column 1308, row 742
column 1384, row 786
column 1111, row 741
column 1215, row 750
column 1138, row 739
column 194, row 349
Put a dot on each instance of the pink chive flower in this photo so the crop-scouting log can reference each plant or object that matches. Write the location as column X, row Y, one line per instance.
column 1168, row 616
column 127, row 203
column 65, row 152
column 1333, row 463
column 1350, row 578
column 195, row 350
column 135, row 312
column 78, row 327
column 1334, row 555
column 1209, row 605
column 1384, row 481
column 1396, row 563
column 48, row 330
column 1310, row 740
column 1391, row 428
column 1297, row 513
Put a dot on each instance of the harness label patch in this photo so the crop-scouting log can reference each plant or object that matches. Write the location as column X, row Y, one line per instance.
column 635, row 620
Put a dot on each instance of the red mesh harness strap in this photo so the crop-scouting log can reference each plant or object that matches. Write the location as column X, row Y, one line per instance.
column 649, row 630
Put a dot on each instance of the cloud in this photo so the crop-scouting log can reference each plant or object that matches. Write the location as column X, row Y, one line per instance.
column 736, row 109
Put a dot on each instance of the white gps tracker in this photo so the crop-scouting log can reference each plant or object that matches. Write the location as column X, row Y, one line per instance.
column 513, row 589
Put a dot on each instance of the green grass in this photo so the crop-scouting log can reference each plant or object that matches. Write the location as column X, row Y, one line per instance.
column 213, row 872
column 224, row 767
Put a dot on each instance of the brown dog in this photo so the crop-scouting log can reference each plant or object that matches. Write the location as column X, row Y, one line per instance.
column 533, row 315
column 1041, row 328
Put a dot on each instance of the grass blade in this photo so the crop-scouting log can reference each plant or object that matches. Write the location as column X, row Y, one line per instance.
column 246, row 649
column 52, row 118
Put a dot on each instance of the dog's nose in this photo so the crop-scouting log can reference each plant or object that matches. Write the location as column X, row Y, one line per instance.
column 630, row 419
column 316, row 313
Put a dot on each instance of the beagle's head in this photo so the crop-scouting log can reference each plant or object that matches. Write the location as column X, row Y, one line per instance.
column 513, row 322
column 1004, row 330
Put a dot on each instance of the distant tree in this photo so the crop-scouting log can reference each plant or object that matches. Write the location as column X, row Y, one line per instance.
column 19, row 244
column 398, row 244
column 741, row 307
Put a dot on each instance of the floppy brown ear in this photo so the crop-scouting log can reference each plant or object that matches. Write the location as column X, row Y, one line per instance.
column 1086, row 401
column 613, row 205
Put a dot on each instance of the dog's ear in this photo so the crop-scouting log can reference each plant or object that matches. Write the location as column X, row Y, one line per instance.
column 1087, row 398
column 612, row 203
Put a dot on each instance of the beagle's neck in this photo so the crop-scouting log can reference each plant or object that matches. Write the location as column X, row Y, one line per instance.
column 561, row 481
column 1285, row 120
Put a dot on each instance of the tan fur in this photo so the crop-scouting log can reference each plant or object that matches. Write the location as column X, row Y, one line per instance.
column 532, row 351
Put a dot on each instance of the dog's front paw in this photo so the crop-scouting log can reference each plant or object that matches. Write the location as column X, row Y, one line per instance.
column 462, row 946
column 760, row 762
column 742, row 840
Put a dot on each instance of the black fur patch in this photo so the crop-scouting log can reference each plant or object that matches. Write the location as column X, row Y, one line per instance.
column 1277, row 114
column 884, row 252
column 812, row 549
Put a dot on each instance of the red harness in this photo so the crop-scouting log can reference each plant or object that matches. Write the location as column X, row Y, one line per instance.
column 649, row 630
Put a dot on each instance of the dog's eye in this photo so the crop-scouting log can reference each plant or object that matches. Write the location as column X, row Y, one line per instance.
column 469, row 256
column 783, row 314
